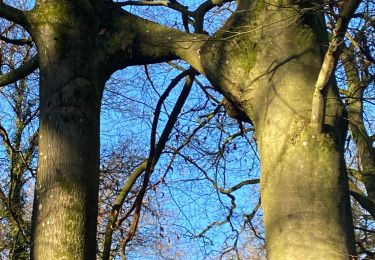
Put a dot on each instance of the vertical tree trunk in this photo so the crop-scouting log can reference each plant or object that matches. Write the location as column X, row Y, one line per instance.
column 268, row 65
column 65, row 203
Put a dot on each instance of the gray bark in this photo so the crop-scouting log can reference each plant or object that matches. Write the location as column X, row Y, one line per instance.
column 66, row 191
column 267, row 61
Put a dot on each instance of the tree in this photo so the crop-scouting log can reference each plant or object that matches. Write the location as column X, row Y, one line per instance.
column 271, row 62
column 18, row 132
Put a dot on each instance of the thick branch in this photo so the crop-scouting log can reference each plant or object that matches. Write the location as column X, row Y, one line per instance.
column 365, row 202
column 173, row 5
column 154, row 41
column 16, row 41
column 329, row 63
column 20, row 72
column 366, row 53
column 130, row 40
column 13, row 14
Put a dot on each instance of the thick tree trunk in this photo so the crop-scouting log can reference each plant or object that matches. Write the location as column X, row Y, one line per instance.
column 66, row 192
column 304, row 192
column 267, row 64
column 65, row 206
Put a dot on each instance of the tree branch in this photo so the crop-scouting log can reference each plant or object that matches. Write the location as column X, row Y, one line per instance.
column 13, row 14
column 130, row 40
column 16, row 41
column 173, row 5
column 365, row 202
column 19, row 73
column 249, row 217
column 365, row 53
column 156, row 150
column 239, row 186
column 119, row 201
column 148, row 164
column 330, row 60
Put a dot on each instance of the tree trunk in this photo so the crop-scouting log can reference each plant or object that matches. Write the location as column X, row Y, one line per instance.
column 267, row 63
column 66, row 192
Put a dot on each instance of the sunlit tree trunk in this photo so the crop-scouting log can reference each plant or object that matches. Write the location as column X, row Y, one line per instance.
column 65, row 204
column 267, row 63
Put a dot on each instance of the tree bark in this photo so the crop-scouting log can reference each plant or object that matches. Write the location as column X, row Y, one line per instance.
column 66, row 192
column 266, row 60
column 80, row 45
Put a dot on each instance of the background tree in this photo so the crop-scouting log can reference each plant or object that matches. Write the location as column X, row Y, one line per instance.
column 18, row 130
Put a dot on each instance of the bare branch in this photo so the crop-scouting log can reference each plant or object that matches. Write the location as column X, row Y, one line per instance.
column 148, row 42
column 119, row 201
column 250, row 216
column 329, row 63
column 365, row 202
column 13, row 14
column 200, row 12
column 146, row 165
column 156, row 150
column 16, row 41
column 239, row 186
column 366, row 17
column 19, row 73
column 5, row 137
column 365, row 53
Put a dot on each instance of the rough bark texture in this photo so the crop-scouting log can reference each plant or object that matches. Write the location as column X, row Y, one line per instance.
column 265, row 61
column 79, row 47
column 65, row 204
column 268, row 65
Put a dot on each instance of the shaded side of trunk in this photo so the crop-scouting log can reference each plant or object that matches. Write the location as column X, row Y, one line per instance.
column 66, row 193
column 268, row 62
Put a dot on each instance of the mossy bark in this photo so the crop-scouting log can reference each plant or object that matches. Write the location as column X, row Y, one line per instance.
column 80, row 43
column 266, row 61
column 66, row 192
